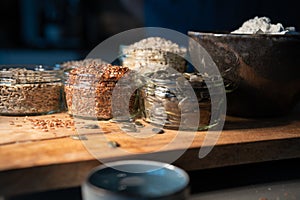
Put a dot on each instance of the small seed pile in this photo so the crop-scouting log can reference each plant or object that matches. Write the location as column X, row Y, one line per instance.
column 51, row 124
column 89, row 90
column 26, row 92
column 85, row 62
column 153, row 54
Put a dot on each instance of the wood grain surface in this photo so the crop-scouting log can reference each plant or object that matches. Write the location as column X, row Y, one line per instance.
column 32, row 159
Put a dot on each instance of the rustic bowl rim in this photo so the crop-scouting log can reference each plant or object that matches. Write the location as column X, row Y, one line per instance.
column 240, row 35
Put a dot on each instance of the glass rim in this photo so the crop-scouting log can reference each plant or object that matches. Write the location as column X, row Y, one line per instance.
column 34, row 74
column 156, row 164
column 33, row 67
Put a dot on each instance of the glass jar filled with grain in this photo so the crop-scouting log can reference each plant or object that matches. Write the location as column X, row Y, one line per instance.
column 153, row 54
column 67, row 66
column 90, row 91
column 175, row 100
column 30, row 89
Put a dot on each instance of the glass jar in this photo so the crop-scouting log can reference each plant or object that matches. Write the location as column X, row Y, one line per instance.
column 90, row 92
column 30, row 89
column 147, row 65
column 165, row 103
column 148, row 60
column 67, row 66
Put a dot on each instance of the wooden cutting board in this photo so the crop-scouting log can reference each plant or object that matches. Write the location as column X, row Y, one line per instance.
column 62, row 156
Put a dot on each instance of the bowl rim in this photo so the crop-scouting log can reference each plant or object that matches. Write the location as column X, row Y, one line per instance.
column 236, row 35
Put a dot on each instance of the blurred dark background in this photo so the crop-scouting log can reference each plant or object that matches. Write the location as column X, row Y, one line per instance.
column 53, row 31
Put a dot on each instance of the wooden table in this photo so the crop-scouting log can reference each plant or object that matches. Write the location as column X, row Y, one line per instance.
column 34, row 159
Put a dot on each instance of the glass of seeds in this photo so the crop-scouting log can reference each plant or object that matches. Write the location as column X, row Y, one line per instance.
column 90, row 91
column 173, row 100
column 153, row 54
column 67, row 66
column 30, row 89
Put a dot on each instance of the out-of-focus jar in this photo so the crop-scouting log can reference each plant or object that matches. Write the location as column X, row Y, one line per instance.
column 166, row 103
column 30, row 89
column 156, row 61
column 89, row 91
column 153, row 54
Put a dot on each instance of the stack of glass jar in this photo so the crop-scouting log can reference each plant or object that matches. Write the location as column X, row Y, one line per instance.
column 170, row 97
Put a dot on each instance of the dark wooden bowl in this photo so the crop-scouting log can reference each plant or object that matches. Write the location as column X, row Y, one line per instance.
column 263, row 71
